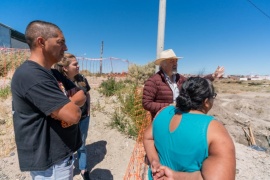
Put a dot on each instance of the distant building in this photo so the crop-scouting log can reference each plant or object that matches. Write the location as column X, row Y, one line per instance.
column 10, row 38
column 243, row 79
column 258, row 77
column 234, row 77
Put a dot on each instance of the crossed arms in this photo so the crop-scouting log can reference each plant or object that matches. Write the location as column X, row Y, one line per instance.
column 70, row 113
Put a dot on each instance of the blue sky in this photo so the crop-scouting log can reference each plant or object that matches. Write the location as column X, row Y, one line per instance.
column 230, row 33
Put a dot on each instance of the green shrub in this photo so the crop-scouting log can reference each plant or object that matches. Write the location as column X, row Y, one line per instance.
column 131, row 106
column 119, row 122
column 129, row 118
column 255, row 83
column 139, row 74
column 5, row 92
column 239, row 82
column 110, row 86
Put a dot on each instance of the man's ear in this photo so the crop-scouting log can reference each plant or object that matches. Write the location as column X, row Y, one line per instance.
column 40, row 42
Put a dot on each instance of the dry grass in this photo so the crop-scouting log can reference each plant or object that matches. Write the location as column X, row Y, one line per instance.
column 235, row 86
column 7, row 142
column 10, row 59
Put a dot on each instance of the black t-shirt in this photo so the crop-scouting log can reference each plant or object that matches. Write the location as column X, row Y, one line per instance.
column 82, row 83
column 41, row 141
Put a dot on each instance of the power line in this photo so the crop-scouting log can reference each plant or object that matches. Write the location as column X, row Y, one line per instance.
column 259, row 9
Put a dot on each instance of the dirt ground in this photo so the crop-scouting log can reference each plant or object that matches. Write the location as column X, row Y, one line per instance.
column 237, row 106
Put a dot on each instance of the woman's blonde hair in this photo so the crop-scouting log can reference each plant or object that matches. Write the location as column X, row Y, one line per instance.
column 65, row 61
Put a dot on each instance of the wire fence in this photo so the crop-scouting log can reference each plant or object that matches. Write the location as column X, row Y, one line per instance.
column 103, row 65
column 11, row 58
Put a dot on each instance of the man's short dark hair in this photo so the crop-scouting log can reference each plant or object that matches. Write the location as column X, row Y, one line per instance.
column 39, row 28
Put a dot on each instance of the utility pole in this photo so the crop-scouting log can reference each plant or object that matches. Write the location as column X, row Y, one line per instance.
column 111, row 65
column 161, row 28
column 100, row 62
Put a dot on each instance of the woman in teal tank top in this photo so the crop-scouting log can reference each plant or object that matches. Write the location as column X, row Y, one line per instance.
column 184, row 142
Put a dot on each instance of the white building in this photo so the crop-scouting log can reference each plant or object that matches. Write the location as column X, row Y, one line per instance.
column 243, row 79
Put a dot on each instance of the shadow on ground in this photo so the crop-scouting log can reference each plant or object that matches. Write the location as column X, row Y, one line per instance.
column 95, row 154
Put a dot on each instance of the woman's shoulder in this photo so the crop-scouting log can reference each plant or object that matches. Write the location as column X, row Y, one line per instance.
column 171, row 109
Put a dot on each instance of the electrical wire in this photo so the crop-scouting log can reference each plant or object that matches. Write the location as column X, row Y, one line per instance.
column 259, row 9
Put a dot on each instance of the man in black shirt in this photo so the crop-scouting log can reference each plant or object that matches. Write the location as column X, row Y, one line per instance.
column 45, row 146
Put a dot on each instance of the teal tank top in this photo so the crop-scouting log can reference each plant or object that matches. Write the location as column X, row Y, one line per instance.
column 185, row 148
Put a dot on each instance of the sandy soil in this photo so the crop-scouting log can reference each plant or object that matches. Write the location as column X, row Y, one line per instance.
column 238, row 111
column 110, row 151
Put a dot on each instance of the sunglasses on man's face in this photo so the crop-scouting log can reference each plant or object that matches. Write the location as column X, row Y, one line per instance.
column 214, row 95
column 172, row 60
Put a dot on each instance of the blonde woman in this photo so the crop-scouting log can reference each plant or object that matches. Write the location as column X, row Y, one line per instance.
column 69, row 67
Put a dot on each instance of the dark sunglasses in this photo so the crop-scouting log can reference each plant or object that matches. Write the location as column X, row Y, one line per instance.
column 214, row 95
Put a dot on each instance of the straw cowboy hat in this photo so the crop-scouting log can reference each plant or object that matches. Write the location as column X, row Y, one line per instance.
column 166, row 54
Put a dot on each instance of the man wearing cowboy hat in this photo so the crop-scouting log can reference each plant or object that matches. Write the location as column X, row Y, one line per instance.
column 162, row 88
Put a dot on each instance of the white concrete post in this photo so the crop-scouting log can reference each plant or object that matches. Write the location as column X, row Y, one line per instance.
column 161, row 28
